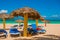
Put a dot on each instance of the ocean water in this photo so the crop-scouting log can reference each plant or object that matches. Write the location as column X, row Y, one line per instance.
column 32, row 21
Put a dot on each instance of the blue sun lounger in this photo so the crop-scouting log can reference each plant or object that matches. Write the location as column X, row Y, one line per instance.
column 33, row 30
column 14, row 31
column 3, row 33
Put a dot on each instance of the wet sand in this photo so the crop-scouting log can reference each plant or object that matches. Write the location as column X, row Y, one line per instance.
column 52, row 33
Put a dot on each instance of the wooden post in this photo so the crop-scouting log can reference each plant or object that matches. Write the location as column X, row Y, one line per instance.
column 45, row 23
column 36, row 22
column 25, row 24
column 19, row 23
column 3, row 23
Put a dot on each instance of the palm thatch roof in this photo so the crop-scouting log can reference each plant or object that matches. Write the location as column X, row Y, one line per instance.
column 19, row 21
column 5, row 16
column 46, row 21
column 31, row 13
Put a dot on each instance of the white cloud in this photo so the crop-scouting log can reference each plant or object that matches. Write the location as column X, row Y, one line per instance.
column 44, row 16
column 3, row 11
column 55, row 16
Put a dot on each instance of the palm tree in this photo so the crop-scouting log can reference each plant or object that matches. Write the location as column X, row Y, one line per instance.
column 26, row 12
column 4, row 16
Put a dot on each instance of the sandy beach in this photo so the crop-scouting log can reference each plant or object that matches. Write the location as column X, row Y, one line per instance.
column 52, row 33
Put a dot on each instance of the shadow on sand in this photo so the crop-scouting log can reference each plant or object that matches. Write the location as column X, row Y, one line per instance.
column 48, row 37
column 14, row 36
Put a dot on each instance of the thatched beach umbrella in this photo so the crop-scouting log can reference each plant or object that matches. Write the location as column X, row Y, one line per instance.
column 43, row 20
column 26, row 12
column 46, row 21
column 4, row 16
column 19, row 21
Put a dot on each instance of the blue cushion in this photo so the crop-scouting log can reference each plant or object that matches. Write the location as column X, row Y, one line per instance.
column 35, row 31
column 13, row 30
column 31, row 30
column 2, row 30
column 34, row 26
column 43, row 30
column 28, row 29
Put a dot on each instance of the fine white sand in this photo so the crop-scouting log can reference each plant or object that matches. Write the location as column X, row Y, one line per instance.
column 52, row 33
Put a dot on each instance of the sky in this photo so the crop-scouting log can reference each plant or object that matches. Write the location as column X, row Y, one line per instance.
column 49, row 9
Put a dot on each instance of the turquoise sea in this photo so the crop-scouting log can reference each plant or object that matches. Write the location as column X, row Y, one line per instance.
column 32, row 21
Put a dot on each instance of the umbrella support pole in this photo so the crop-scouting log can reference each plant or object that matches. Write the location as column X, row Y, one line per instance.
column 45, row 24
column 19, row 23
column 25, row 25
column 3, row 23
column 36, row 22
